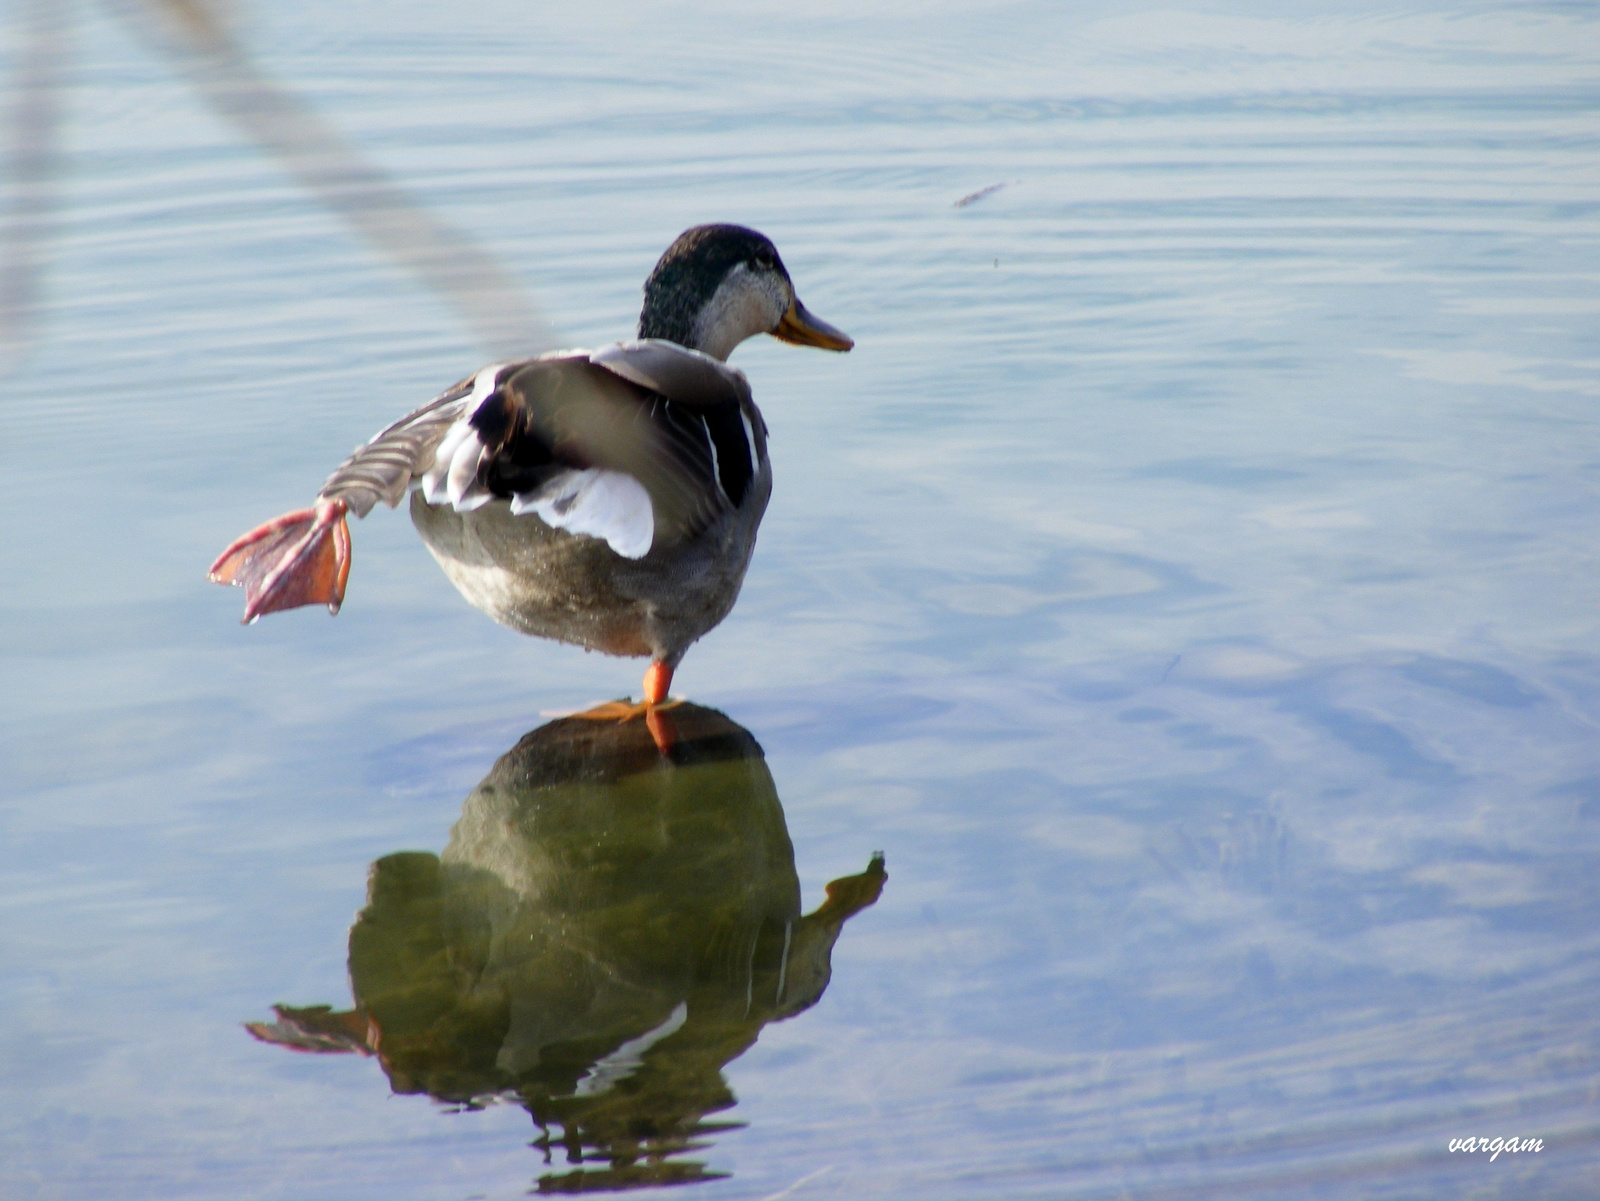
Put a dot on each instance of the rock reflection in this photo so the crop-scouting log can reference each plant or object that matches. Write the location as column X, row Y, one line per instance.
column 606, row 929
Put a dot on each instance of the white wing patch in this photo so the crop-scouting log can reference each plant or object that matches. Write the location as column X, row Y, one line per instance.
column 456, row 464
column 603, row 504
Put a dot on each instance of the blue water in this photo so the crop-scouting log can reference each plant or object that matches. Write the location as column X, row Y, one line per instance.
column 1188, row 583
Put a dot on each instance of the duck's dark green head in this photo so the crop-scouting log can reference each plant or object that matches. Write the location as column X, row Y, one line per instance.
column 720, row 284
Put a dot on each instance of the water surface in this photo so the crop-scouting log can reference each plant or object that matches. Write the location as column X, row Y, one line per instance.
column 1187, row 583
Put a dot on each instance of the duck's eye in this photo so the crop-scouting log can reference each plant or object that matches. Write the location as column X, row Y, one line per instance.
column 763, row 262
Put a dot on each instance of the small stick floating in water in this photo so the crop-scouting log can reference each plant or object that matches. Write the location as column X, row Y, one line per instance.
column 974, row 197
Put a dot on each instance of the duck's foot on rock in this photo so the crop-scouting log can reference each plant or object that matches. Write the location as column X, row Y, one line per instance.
column 654, row 707
column 624, row 710
column 656, row 718
column 301, row 558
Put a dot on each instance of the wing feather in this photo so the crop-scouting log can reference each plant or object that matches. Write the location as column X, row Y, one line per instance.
column 384, row 468
column 687, row 377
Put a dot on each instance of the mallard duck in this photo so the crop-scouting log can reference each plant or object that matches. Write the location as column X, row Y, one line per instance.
column 605, row 498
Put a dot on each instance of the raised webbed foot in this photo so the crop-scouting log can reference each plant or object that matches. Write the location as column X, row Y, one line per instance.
column 301, row 558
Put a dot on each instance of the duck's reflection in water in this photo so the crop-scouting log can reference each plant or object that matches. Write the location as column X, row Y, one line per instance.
column 606, row 929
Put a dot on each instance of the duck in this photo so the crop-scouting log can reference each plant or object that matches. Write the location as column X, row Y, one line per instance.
column 604, row 498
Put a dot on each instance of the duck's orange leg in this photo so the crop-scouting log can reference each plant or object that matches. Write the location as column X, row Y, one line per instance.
column 657, row 679
column 301, row 558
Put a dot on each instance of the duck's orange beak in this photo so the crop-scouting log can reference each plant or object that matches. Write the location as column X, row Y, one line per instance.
column 803, row 329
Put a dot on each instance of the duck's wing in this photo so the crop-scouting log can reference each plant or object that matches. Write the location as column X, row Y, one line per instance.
column 643, row 444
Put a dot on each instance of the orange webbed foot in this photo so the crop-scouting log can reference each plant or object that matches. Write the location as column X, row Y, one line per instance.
column 654, row 707
column 301, row 558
